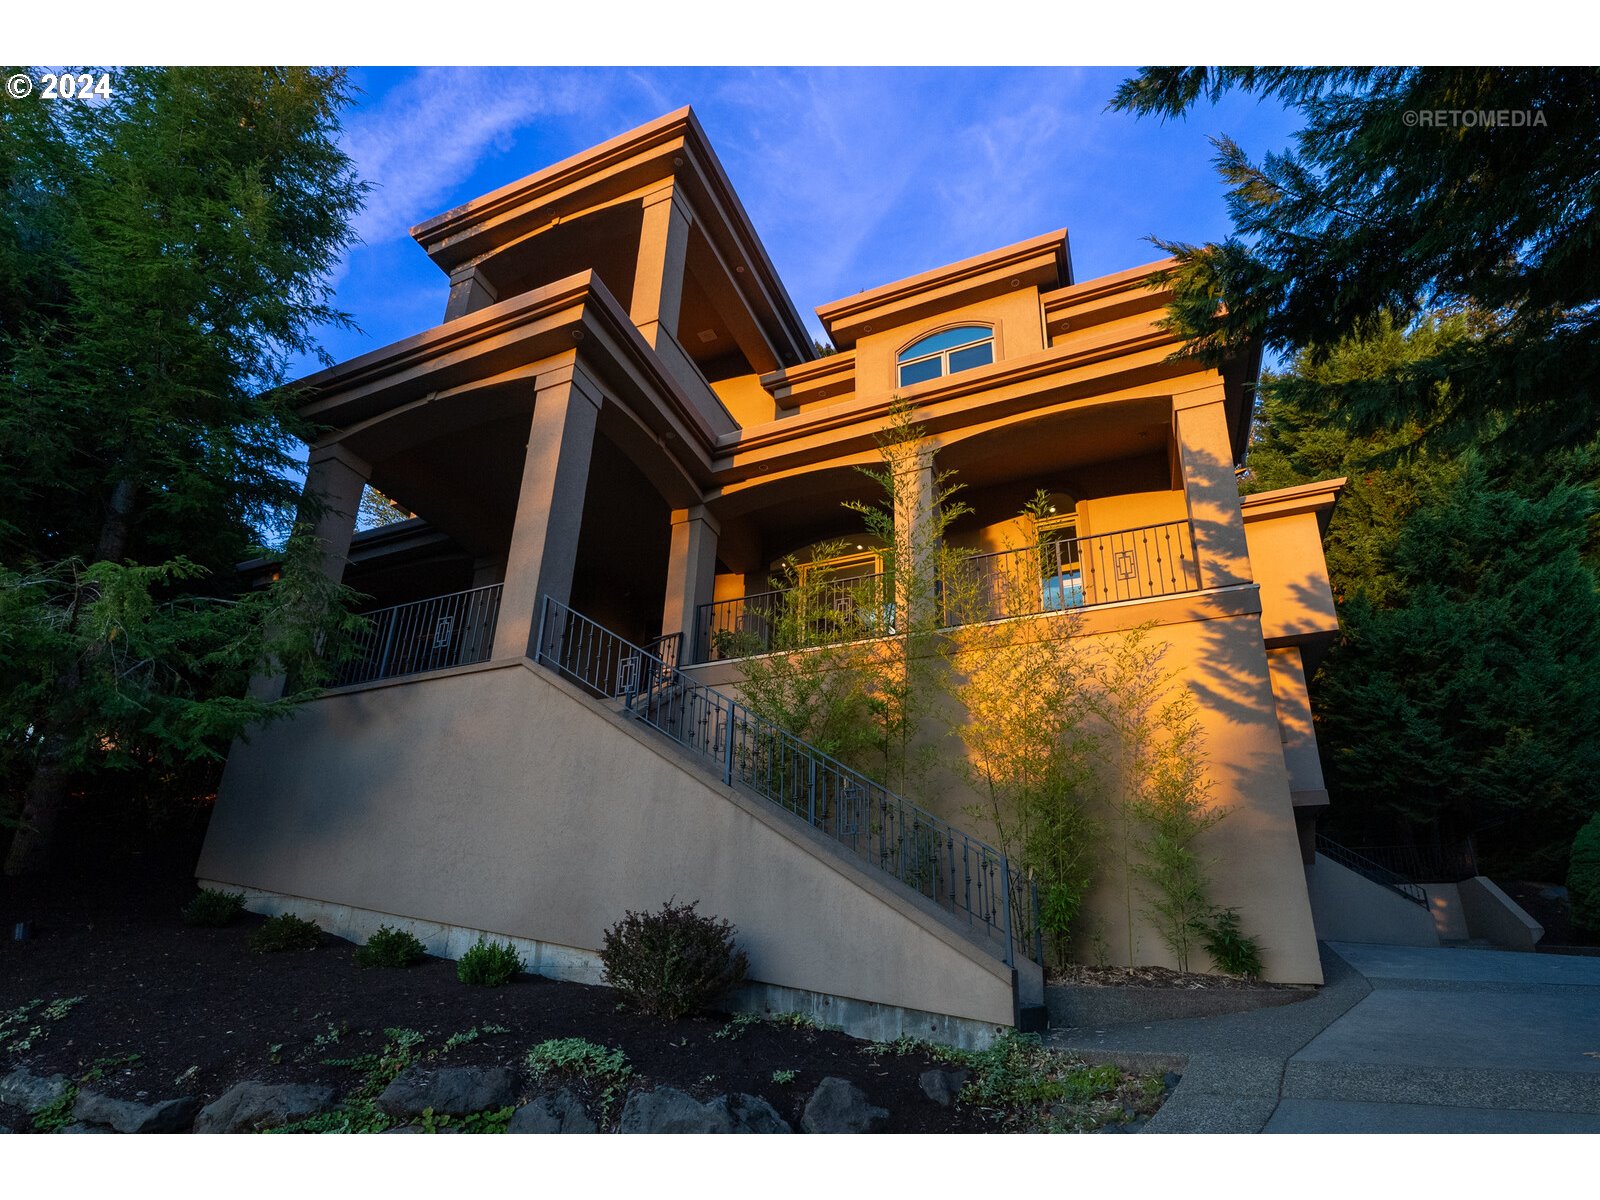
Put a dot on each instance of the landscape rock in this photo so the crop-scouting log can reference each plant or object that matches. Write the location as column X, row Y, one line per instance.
column 252, row 1105
column 943, row 1084
column 81, row 1127
column 455, row 1090
column 839, row 1106
column 130, row 1116
column 561, row 1113
column 668, row 1110
column 1171, row 1080
column 29, row 1092
column 752, row 1114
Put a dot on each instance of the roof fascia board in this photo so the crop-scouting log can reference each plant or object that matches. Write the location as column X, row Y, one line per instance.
column 1039, row 260
column 397, row 375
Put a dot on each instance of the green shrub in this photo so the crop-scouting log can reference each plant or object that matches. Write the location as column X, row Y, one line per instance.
column 673, row 962
column 286, row 932
column 1232, row 950
column 489, row 964
column 1583, row 877
column 576, row 1056
column 390, row 947
column 213, row 909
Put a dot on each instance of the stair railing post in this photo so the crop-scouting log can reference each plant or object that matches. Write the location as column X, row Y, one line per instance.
column 727, row 748
column 1005, row 903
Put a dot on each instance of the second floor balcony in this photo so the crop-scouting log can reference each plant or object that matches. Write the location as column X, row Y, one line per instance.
column 1053, row 575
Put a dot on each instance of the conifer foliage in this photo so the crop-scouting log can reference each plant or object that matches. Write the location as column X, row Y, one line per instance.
column 164, row 254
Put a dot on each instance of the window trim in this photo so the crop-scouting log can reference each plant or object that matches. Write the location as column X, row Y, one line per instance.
column 943, row 356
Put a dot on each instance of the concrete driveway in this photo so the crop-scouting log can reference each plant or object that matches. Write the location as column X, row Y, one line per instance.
column 1401, row 1040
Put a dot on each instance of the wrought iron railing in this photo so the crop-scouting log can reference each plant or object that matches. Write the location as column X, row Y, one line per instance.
column 1070, row 572
column 833, row 611
column 1054, row 575
column 956, row 871
column 1376, row 872
column 425, row 635
column 1435, row 864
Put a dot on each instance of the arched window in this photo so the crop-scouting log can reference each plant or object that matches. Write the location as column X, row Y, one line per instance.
column 946, row 352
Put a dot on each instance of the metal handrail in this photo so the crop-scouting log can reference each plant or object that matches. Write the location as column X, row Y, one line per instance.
column 1436, row 864
column 1050, row 576
column 425, row 635
column 1376, row 872
column 960, row 873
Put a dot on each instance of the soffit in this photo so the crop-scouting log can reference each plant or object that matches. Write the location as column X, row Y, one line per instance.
column 671, row 150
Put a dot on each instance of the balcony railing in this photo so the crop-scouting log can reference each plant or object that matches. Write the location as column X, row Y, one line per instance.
column 425, row 635
column 839, row 610
column 1052, row 576
column 956, row 871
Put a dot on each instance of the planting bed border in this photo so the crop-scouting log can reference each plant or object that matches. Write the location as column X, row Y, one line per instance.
column 1080, row 1006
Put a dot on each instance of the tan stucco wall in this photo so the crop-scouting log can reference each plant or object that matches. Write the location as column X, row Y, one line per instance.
column 496, row 798
column 1016, row 317
column 1351, row 908
column 746, row 399
column 1286, row 553
column 1216, row 649
column 1295, row 726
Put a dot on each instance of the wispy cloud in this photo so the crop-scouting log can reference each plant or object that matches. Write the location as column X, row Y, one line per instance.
column 428, row 134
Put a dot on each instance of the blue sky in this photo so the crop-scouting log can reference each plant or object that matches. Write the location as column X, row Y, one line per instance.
column 854, row 176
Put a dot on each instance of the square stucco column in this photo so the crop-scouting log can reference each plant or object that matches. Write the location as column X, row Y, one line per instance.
column 331, row 500
column 1210, row 488
column 469, row 291
column 691, row 574
column 914, row 534
column 658, row 280
column 555, row 474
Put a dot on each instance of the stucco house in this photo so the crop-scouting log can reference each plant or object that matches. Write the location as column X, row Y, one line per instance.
column 619, row 426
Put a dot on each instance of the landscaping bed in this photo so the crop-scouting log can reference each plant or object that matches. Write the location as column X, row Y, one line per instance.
column 1082, row 997
column 135, row 1006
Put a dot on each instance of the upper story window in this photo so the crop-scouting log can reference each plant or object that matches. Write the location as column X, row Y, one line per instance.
column 946, row 352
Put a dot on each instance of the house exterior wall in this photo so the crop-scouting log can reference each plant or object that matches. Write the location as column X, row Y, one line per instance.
column 497, row 799
column 1214, row 649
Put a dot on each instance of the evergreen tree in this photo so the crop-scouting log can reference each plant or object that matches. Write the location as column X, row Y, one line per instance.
column 163, row 256
column 1455, row 701
column 1385, row 208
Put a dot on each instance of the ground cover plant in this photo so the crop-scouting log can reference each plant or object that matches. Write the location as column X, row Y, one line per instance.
column 286, row 932
column 390, row 947
column 313, row 1018
column 213, row 908
column 489, row 964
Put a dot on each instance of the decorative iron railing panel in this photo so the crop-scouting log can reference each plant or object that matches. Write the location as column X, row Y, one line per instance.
column 956, row 871
column 425, row 635
column 839, row 610
column 1376, row 872
column 1055, row 575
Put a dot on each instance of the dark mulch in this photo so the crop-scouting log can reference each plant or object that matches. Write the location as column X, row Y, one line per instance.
column 1161, row 977
column 202, row 1011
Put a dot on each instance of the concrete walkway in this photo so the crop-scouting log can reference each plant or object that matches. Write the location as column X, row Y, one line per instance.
column 1400, row 1040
